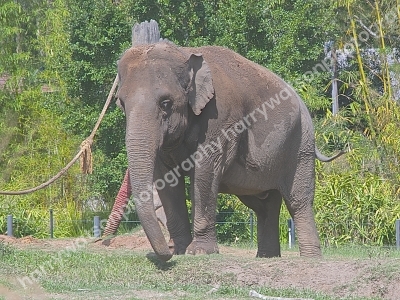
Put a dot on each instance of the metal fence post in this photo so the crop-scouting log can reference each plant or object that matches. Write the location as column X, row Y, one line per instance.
column 51, row 224
column 398, row 234
column 9, row 225
column 292, row 236
column 96, row 227
column 251, row 226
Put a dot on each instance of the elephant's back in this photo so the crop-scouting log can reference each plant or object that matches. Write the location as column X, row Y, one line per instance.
column 236, row 77
column 240, row 70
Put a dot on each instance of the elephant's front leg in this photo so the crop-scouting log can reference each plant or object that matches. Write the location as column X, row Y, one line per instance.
column 173, row 199
column 204, row 189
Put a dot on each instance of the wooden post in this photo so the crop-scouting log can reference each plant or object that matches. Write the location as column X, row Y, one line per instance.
column 145, row 33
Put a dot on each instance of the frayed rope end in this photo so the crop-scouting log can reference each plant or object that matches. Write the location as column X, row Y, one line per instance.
column 86, row 162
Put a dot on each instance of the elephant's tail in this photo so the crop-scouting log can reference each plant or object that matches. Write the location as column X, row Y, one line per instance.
column 324, row 158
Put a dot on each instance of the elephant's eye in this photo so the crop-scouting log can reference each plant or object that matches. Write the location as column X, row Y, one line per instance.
column 166, row 105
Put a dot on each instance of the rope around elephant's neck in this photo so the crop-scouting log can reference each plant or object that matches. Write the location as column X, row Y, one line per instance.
column 84, row 153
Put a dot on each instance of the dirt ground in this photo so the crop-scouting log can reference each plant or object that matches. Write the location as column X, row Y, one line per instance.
column 341, row 277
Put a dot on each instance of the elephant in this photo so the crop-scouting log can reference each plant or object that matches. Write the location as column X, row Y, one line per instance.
column 231, row 126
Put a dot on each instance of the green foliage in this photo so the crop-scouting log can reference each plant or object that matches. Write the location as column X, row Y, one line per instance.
column 237, row 224
column 34, row 146
column 5, row 250
column 356, row 208
column 357, row 197
column 233, row 220
column 99, row 32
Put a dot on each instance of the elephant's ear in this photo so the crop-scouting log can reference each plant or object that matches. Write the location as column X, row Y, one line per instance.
column 201, row 90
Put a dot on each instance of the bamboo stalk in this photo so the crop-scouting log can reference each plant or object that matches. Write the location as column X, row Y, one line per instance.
column 385, row 67
column 363, row 81
column 398, row 10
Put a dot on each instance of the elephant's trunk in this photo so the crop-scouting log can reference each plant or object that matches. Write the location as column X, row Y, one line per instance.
column 142, row 144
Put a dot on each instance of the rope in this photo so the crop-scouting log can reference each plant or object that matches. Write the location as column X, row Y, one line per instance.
column 86, row 158
column 84, row 154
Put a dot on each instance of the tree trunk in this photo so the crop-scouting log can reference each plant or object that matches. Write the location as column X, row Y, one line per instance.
column 145, row 33
column 335, row 100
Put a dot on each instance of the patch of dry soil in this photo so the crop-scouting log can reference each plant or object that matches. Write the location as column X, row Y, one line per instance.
column 338, row 277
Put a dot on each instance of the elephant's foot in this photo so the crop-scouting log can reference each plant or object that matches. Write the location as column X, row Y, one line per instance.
column 268, row 248
column 202, row 247
column 178, row 247
column 313, row 251
column 268, row 254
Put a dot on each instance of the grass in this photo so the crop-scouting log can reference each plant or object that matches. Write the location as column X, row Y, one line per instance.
column 86, row 274
column 339, row 251
column 361, row 251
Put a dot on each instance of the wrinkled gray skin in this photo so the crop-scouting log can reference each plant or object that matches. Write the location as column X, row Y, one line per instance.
column 181, row 100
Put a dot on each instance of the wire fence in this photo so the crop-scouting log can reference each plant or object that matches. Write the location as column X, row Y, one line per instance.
column 231, row 227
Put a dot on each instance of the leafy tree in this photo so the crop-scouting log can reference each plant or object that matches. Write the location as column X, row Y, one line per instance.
column 34, row 50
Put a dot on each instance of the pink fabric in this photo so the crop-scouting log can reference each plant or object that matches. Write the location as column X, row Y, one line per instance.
column 120, row 203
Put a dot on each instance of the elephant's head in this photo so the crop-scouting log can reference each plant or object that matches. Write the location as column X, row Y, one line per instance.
column 160, row 86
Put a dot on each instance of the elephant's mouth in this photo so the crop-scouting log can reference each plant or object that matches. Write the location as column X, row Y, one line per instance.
column 171, row 145
column 263, row 195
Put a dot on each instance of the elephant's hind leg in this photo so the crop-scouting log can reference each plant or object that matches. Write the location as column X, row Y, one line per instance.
column 299, row 198
column 267, row 211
